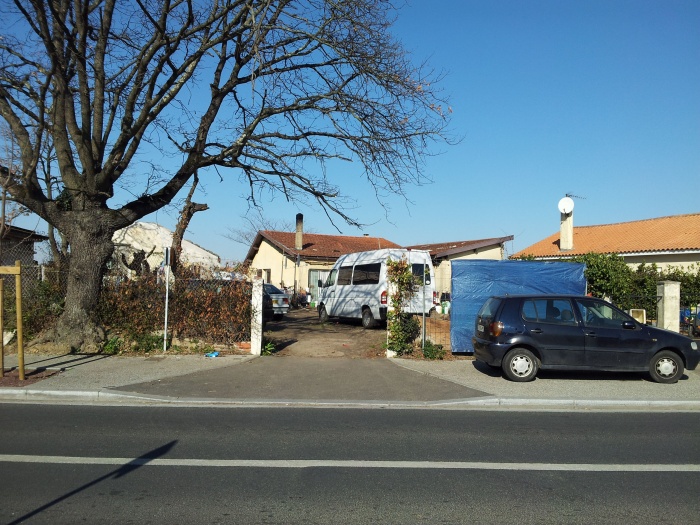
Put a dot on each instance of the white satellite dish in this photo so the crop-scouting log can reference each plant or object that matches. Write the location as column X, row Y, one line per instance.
column 566, row 205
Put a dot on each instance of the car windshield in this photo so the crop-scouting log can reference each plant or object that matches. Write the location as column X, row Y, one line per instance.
column 272, row 289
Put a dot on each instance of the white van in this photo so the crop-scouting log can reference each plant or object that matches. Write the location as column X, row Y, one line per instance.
column 357, row 287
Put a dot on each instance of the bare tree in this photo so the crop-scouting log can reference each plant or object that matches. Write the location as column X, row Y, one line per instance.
column 188, row 210
column 136, row 96
column 254, row 221
column 9, row 210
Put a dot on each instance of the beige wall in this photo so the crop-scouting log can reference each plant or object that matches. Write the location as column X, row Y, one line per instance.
column 282, row 268
column 684, row 261
column 443, row 272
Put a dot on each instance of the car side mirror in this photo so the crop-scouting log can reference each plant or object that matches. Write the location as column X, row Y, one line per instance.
column 629, row 325
column 320, row 283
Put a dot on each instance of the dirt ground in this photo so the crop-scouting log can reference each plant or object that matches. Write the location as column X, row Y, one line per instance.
column 300, row 334
column 11, row 378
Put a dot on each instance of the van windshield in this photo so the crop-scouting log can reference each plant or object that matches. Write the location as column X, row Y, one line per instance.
column 420, row 270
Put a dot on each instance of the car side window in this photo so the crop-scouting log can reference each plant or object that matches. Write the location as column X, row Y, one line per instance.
column 547, row 310
column 345, row 275
column 529, row 311
column 599, row 313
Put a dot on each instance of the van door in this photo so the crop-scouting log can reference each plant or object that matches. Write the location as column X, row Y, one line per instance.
column 365, row 290
column 327, row 291
column 314, row 277
column 338, row 295
column 422, row 300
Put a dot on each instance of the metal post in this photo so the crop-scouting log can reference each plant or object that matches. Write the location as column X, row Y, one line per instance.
column 423, row 341
column 166, row 263
column 18, row 302
column 2, row 329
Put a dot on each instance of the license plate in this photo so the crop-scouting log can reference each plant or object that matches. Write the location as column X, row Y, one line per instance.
column 480, row 328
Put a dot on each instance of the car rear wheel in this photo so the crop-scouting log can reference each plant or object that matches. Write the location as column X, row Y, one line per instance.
column 322, row 314
column 520, row 365
column 367, row 318
column 666, row 367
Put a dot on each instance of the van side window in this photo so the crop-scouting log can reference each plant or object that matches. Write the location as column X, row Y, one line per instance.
column 366, row 273
column 419, row 271
column 344, row 275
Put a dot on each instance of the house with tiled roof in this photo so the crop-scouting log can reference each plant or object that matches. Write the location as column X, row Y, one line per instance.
column 672, row 241
column 298, row 260
column 17, row 244
column 442, row 255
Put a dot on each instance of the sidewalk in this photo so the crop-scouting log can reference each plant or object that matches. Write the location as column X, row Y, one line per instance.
column 308, row 381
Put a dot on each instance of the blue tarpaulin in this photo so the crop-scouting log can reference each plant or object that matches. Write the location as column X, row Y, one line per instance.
column 474, row 281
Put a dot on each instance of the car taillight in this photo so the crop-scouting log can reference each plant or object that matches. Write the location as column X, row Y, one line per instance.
column 285, row 300
column 435, row 298
column 496, row 328
column 384, row 297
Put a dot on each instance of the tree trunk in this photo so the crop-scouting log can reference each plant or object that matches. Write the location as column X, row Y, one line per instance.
column 188, row 211
column 91, row 248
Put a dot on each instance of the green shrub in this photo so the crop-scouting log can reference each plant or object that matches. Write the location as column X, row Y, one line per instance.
column 403, row 330
column 433, row 351
column 268, row 348
column 113, row 346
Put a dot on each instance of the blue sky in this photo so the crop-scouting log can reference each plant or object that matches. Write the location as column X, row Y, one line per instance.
column 595, row 98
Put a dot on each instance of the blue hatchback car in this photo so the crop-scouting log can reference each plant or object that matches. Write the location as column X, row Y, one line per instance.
column 525, row 333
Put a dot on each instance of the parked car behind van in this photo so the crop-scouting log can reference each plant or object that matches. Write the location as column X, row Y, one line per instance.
column 280, row 300
column 357, row 286
column 523, row 333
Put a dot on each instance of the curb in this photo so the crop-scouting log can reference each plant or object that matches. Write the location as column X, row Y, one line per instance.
column 106, row 396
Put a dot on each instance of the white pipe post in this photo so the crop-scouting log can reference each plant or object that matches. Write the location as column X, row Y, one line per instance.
column 166, row 263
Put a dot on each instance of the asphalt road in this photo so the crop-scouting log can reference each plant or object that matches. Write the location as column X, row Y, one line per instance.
column 70, row 464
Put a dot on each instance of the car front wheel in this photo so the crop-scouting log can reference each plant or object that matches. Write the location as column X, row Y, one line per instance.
column 666, row 367
column 322, row 315
column 520, row 365
column 367, row 318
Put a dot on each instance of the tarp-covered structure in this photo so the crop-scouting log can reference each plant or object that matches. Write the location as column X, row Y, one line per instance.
column 474, row 281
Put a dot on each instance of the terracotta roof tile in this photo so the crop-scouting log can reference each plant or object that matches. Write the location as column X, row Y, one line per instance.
column 664, row 234
column 325, row 246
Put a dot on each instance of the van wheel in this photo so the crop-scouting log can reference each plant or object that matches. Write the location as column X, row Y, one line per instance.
column 520, row 365
column 367, row 318
column 322, row 314
column 666, row 367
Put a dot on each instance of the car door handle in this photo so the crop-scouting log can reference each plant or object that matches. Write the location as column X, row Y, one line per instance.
column 536, row 331
column 590, row 334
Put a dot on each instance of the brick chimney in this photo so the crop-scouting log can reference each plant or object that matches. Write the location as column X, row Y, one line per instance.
column 299, row 238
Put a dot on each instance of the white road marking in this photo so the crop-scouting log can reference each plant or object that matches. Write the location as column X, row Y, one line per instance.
column 313, row 463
